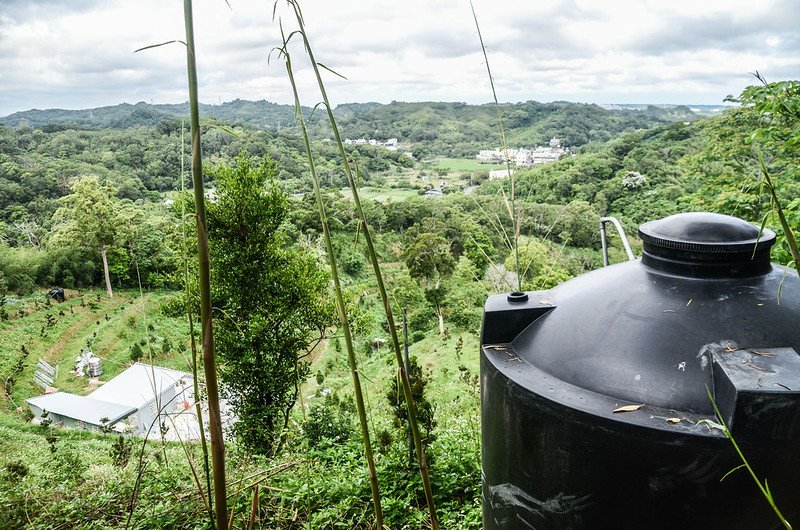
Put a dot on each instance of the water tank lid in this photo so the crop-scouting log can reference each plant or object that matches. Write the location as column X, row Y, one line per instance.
column 705, row 232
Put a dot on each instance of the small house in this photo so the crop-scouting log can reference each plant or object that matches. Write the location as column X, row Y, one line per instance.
column 500, row 173
column 141, row 396
column 80, row 412
column 152, row 391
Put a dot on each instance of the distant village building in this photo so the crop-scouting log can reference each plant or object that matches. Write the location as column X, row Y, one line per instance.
column 500, row 174
column 139, row 397
column 391, row 144
column 544, row 155
column 493, row 156
column 523, row 157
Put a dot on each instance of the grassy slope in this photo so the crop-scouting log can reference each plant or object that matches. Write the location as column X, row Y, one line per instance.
column 100, row 500
column 114, row 324
column 110, row 325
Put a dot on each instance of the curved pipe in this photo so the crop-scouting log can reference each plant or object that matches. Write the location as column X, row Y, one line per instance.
column 622, row 236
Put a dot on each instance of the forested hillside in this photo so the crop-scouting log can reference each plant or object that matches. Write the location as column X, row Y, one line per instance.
column 458, row 129
column 452, row 129
column 139, row 147
column 36, row 165
column 259, row 114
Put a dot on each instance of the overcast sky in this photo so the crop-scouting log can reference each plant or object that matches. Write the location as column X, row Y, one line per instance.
column 79, row 53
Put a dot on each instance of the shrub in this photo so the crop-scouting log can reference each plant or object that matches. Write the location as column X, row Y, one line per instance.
column 136, row 352
column 425, row 409
column 352, row 262
column 166, row 346
column 18, row 266
column 174, row 306
column 69, row 267
column 422, row 319
column 15, row 471
column 331, row 420
column 120, row 452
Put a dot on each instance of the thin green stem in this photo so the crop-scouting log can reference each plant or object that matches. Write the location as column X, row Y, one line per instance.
column 762, row 487
column 423, row 466
column 787, row 230
column 204, row 260
column 513, row 208
column 340, row 306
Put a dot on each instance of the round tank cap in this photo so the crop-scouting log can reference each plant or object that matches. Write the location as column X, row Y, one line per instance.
column 517, row 296
column 705, row 232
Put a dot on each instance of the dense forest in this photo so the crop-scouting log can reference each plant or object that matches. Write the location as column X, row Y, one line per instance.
column 442, row 254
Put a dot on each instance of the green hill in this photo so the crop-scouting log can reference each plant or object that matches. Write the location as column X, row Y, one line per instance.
column 445, row 128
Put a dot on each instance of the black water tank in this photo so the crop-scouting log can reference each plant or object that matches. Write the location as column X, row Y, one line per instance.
column 702, row 311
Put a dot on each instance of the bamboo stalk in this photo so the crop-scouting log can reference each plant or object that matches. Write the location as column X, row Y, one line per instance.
column 348, row 339
column 423, row 466
column 253, row 510
column 193, row 344
column 209, row 361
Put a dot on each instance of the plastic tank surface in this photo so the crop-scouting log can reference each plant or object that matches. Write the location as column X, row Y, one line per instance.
column 596, row 395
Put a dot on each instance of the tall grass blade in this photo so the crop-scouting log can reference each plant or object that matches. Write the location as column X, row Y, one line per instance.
column 788, row 232
column 764, row 488
column 160, row 44
column 209, row 362
column 731, row 472
column 331, row 71
column 512, row 203
column 340, row 306
column 423, row 466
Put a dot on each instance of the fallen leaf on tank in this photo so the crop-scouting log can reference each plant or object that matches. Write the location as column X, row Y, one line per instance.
column 628, row 408
column 674, row 420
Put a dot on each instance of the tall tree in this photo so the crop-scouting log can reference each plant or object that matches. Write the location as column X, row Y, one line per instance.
column 270, row 298
column 429, row 261
column 91, row 216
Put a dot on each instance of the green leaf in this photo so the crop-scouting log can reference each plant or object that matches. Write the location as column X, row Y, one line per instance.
column 737, row 468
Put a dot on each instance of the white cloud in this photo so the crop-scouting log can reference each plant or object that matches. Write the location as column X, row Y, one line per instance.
column 77, row 55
